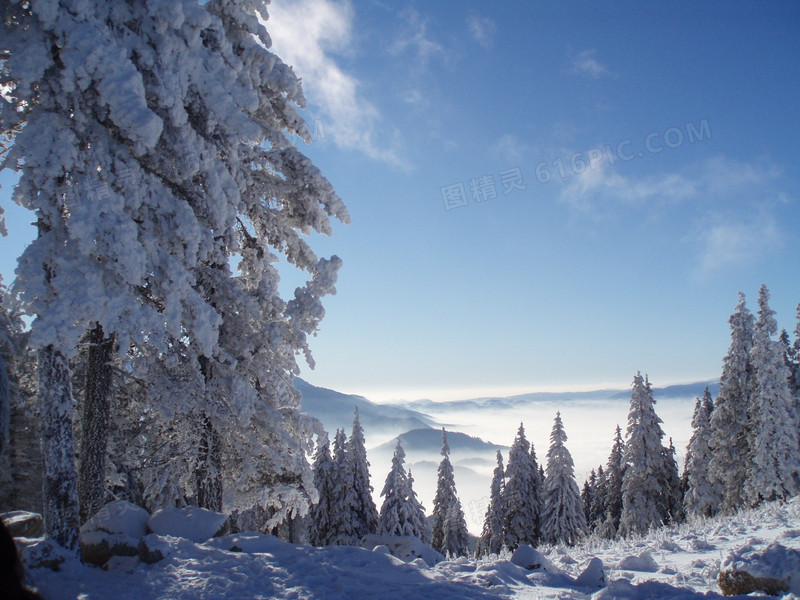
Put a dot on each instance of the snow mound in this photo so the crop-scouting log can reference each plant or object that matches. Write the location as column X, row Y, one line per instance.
column 593, row 575
column 191, row 523
column 405, row 547
column 531, row 559
column 121, row 517
column 644, row 562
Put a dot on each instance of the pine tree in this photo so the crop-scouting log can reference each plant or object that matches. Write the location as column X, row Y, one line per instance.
column 774, row 444
column 345, row 503
column 521, row 495
column 597, row 509
column 673, row 497
column 366, row 517
column 612, row 488
column 400, row 512
column 588, row 493
column 492, row 537
column 322, row 513
column 701, row 497
column 417, row 518
column 444, row 498
column 643, row 485
column 731, row 455
column 455, row 541
column 155, row 148
column 563, row 519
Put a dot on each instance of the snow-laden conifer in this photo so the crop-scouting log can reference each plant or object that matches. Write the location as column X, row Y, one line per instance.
column 322, row 513
column 730, row 447
column 521, row 495
column 444, row 498
column 344, row 503
column 563, row 518
column 366, row 517
column 399, row 513
column 455, row 541
column 643, row 485
column 773, row 421
column 612, row 487
column 492, row 537
column 702, row 497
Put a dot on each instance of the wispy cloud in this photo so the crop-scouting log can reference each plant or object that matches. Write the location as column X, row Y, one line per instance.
column 482, row 30
column 415, row 38
column 734, row 244
column 307, row 34
column 586, row 64
column 509, row 148
column 716, row 178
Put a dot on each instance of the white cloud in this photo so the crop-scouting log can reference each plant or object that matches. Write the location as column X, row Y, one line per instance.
column 587, row 64
column 738, row 243
column 509, row 148
column 305, row 34
column 414, row 37
column 482, row 30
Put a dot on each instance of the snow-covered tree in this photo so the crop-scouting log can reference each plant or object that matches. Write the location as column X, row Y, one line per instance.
column 563, row 519
column 322, row 515
column 154, row 146
column 344, row 503
column 492, row 537
column 673, row 496
column 597, row 509
column 612, row 487
column 643, row 485
column 774, row 444
column 521, row 495
column 366, row 517
column 444, row 498
column 702, row 497
column 588, row 495
column 399, row 513
column 731, row 456
column 456, row 537
column 419, row 522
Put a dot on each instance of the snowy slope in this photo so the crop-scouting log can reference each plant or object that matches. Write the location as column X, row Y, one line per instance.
column 683, row 564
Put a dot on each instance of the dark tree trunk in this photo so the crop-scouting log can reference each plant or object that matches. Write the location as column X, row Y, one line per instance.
column 94, row 424
column 208, row 475
column 61, row 516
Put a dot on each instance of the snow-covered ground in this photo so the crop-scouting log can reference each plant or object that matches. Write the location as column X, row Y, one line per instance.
column 677, row 563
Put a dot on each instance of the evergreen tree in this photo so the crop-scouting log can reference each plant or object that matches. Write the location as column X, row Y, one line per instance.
column 597, row 509
column 419, row 522
column 154, row 148
column 774, row 444
column 492, row 536
column 400, row 512
column 345, row 504
column 673, row 497
column 445, row 497
column 731, row 456
column 563, row 518
column 521, row 495
column 456, row 537
column 322, row 513
column 366, row 516
column 588, row 493
column 643, row 485
column 612, row 489
column 701, row 497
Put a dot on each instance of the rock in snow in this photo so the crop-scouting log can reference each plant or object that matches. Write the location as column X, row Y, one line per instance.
column 191, row 523
column 121, row 517
column 21, row 523
column 97, row 547
column 774, row 570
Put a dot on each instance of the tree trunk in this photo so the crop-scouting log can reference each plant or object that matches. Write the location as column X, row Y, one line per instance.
column 61, row 516
column 94, row 424
column 5, row 409
column 208, row 476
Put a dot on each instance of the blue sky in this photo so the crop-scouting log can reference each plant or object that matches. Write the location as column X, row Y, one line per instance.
column 636, row 166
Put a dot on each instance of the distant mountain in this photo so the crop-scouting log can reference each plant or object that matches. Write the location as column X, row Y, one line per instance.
column 672, row 391
column 381, row 422
column 428, row 440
